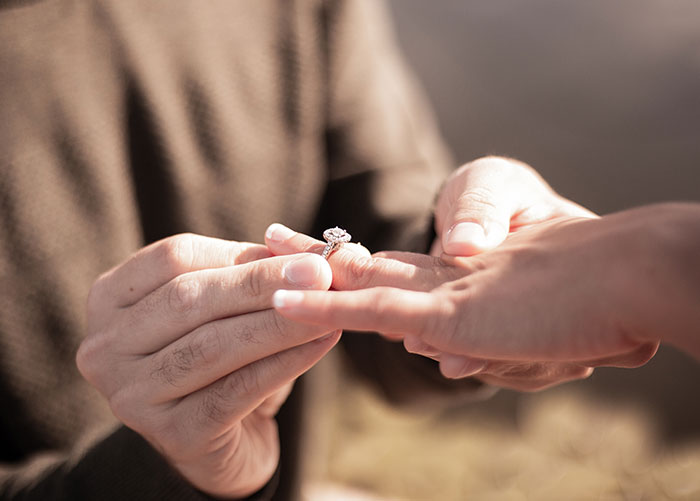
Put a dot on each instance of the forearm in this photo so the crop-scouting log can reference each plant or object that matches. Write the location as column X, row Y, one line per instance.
column 667, row 276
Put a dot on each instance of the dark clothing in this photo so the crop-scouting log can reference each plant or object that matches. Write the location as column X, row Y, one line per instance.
column 125, row 121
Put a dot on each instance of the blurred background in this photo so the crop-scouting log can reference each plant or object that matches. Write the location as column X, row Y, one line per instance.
column 603, row 98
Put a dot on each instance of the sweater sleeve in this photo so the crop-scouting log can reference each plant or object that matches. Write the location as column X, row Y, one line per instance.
column 387, row 163
column 386, row 159
column 121, row 466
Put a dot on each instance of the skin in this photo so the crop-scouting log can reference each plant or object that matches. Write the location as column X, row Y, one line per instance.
column 479, row 205
column 485, row 200
column 559, row 296
column 184, row 345
column 186, row 348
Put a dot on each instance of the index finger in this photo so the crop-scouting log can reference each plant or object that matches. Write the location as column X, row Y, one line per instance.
column 158, row 263
column 381, row 309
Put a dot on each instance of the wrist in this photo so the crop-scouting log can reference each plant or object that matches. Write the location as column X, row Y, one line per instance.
column 664, row 278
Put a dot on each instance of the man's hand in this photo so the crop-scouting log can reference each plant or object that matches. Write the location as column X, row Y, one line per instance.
column 183, row 343
column 534, row 312
column 484, row 200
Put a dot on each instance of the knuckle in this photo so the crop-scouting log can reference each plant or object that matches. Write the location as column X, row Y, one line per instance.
column 252, row 281
column 246, row 335
column 243, row 382
column 184, row 295
column 275, row 324
column 89, row 357
column 202, row 348
column 360, row 270
column 172, row 367
column 212, row 408
column 220, row 401
column 210, row 341
column 477, row 198
column 177, row 253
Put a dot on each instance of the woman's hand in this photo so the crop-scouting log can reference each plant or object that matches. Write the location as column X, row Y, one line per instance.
column 552, row 301
column 184, row 344
column 484, row 200
column 479, row 205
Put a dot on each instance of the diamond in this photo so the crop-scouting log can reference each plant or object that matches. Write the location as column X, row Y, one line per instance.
column 335, row 238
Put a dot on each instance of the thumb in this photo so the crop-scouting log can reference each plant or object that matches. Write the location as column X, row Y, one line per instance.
column 475, row 222
column 473, row 212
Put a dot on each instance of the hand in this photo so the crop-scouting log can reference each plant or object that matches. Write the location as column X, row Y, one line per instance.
column 542, row 308
column 479, row 205
column 484, row 200
column 183, row 343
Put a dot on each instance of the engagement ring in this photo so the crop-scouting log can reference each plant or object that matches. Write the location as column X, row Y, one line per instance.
column 335, row 238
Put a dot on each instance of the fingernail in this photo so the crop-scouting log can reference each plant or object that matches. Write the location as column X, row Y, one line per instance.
column 309, row 270
column 465, row 234
column 457, row 366
column 287, row 299
column 278, row 232
column 414, row 345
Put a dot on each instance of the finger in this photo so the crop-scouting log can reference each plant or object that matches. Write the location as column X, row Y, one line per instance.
column 228, row 400
column 474, row 211
column 458, row 366
column 217, row 349
column 380, row 309
column 630, row 360
column 162, row 261
column 283, row 240
column 196, row 298
column 413, row 344
column 354, row 269
column 526, row 379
